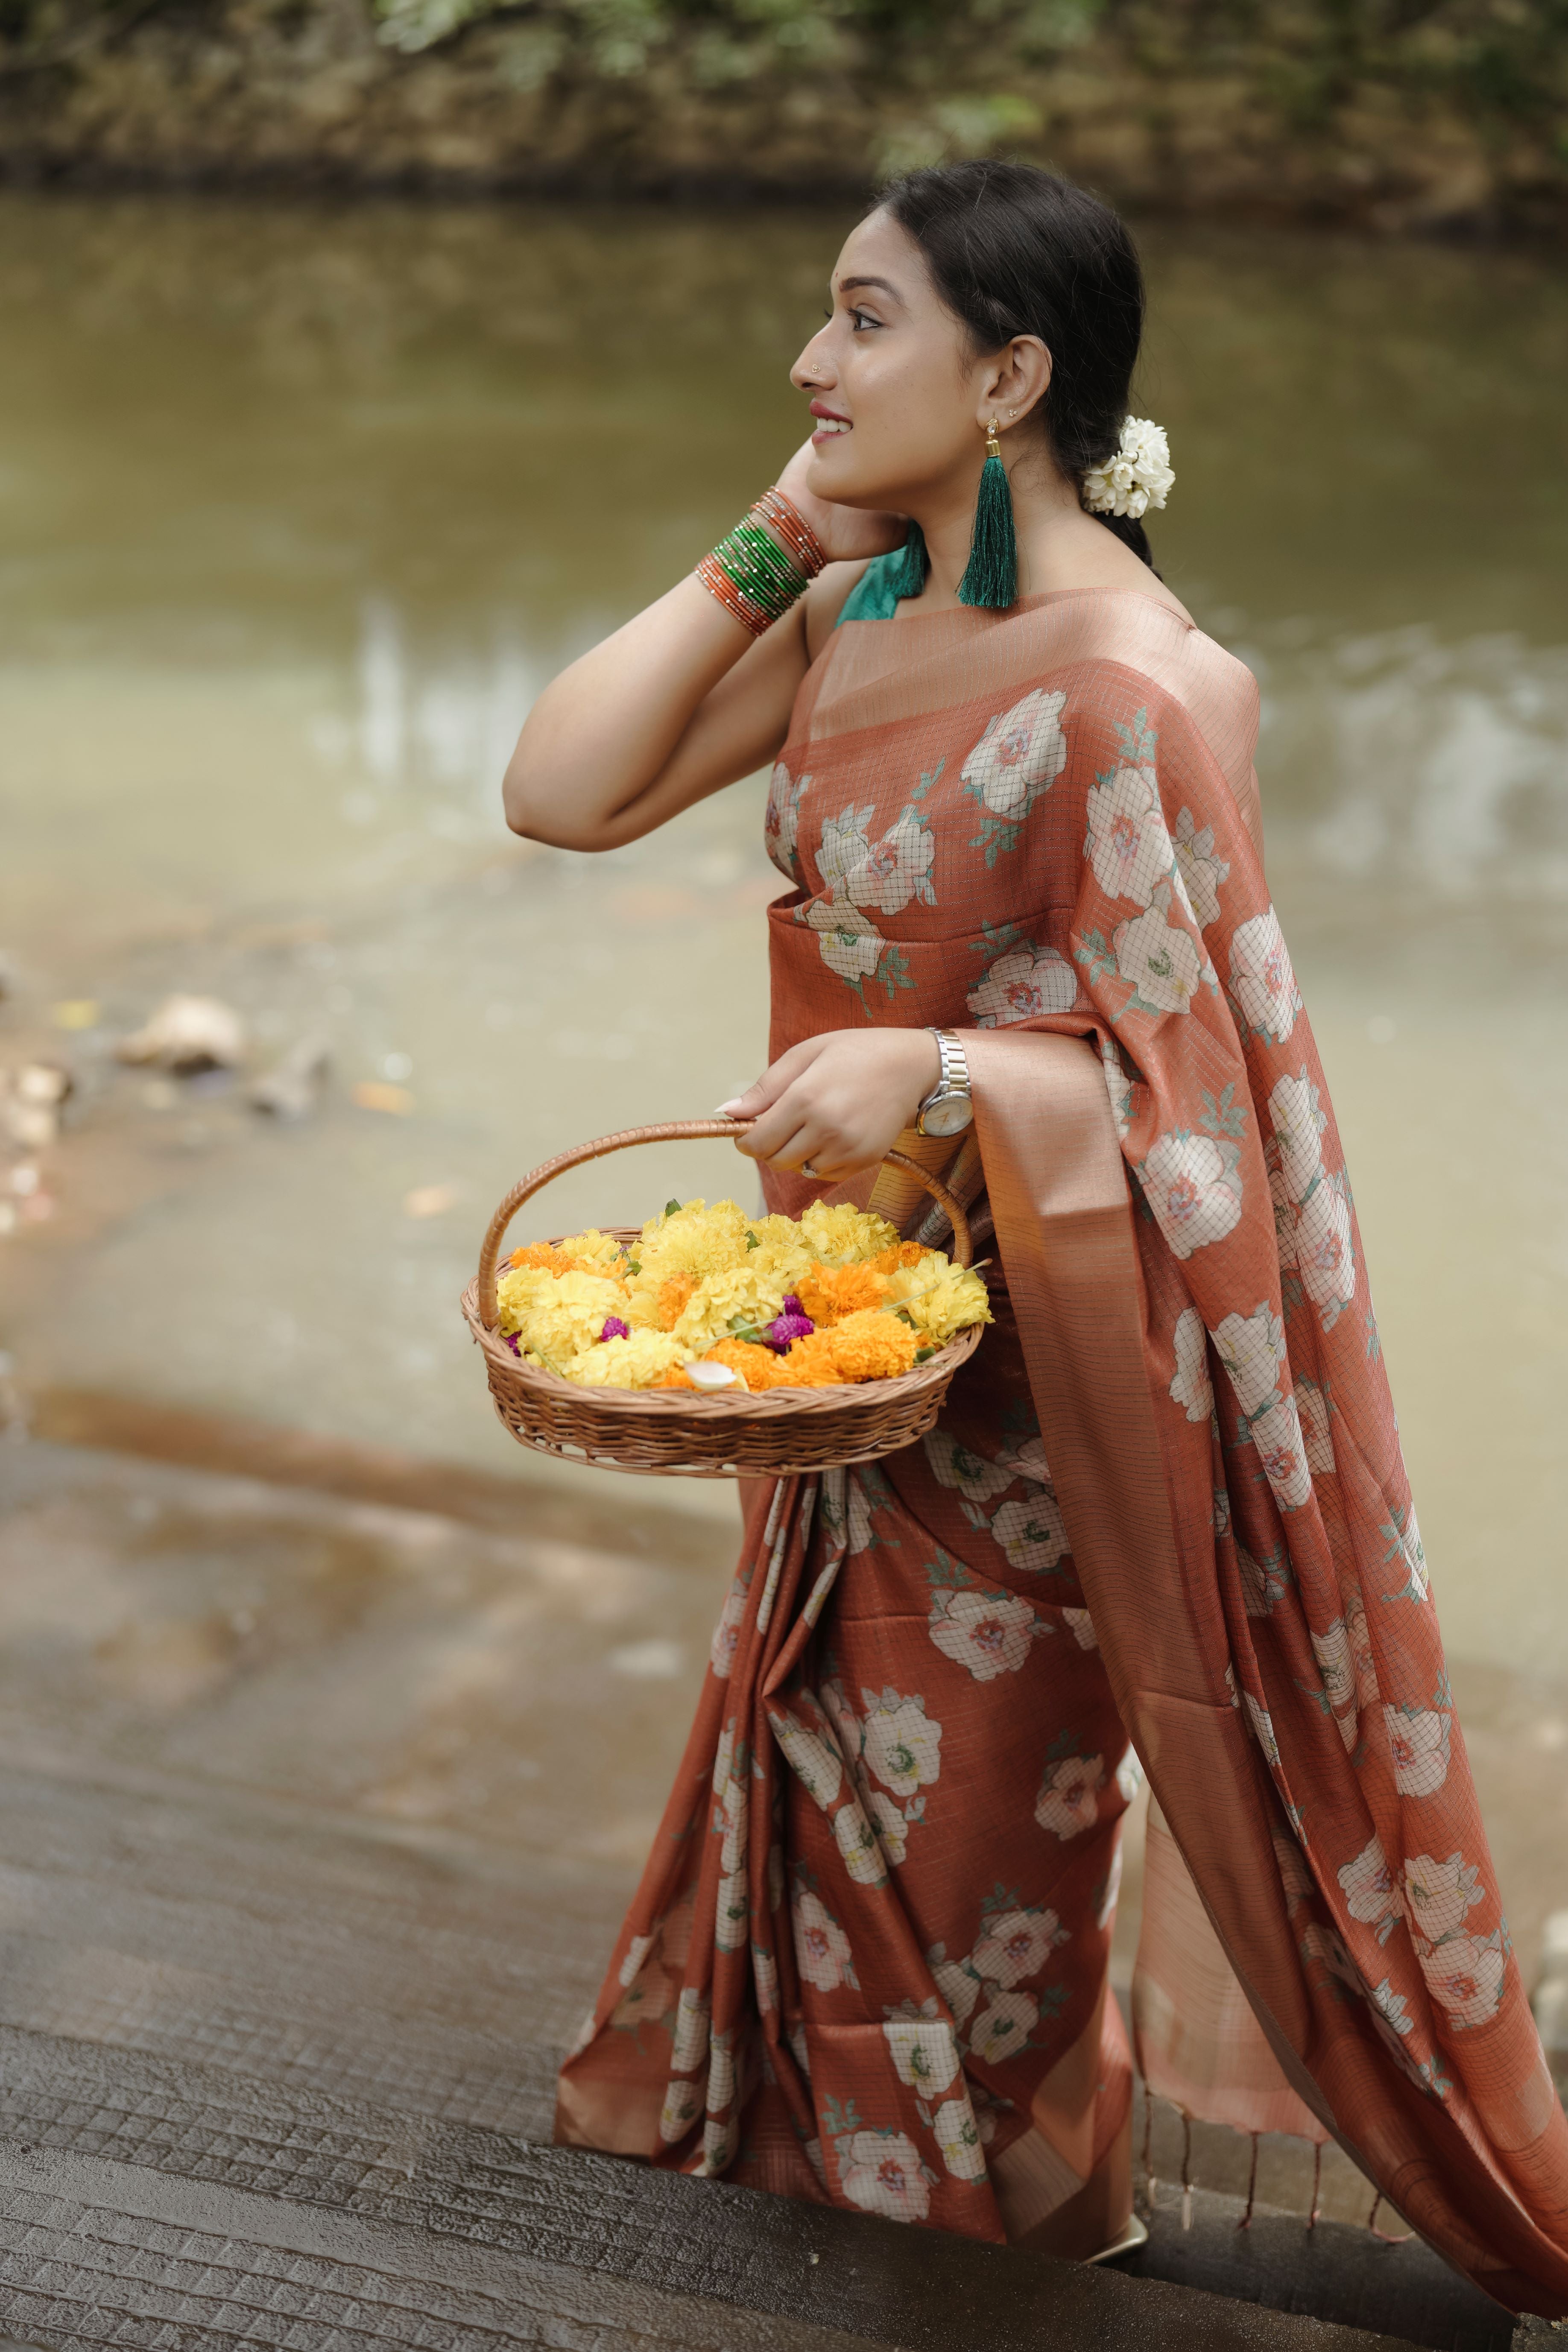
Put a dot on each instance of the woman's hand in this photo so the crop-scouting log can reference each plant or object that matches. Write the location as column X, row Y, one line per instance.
column 845, row 533
column 839, row 1101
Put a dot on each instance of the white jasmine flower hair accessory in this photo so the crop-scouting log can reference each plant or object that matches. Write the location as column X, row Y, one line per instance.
column 1137, row 477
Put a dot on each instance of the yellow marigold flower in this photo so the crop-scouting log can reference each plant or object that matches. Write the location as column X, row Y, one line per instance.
column 842, row 1234
column 740, row 1293
column 695, row 1239
column 639, row 1362
column 954, row 1298
column 555, row 1314
column 595, row 1247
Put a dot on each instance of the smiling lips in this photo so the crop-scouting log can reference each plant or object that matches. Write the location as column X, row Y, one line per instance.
column 829, row 421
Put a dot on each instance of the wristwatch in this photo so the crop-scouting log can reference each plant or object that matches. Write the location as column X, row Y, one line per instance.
column 949, row 1107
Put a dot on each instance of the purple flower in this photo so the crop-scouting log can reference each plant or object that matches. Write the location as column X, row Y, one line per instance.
column 510, row 1339
column 614, row 1329
column 795, row 1323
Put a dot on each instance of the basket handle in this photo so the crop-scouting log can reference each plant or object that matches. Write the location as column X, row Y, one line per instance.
column 674, row 1130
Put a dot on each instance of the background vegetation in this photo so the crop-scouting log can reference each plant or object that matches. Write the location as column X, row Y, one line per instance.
column 1398, row 113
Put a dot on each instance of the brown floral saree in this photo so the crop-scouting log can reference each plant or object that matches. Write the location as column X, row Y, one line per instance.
column 1162, row 1521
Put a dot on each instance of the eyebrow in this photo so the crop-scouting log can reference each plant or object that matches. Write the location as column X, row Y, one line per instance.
column 845, row 284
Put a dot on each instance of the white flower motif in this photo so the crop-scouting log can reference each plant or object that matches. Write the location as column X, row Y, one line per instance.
column 1081, row 1624
column 1252, row 1349
column 1263, row 1728
column 727, row 1634
column 1262, row 981
column 1325, row 1258
column 1194, row 1190
column 1160, row 959
column 765, row 1976
column 1464, row 1976
column 821, row 1946
column 1200, row 869
column 924, row 2053
column 1191, row 1388
column 1068, row 1801
column 733, row 1814
column 1418, row 1747
column 781, row 820
column 988, row 1634
column 816, row 1765
column 681, row 2108
column 850, row 943
column 844, row 846
column 1438, row 1894
column 800, row 2051
column 647, row 1996
column 958, row 1985
column 952, row 1465
column 715, row 2150
column 903, row 1746
column 858, row 1516
column 882, row 2172
column 638, row 1952
column 1369, row 1888
column 1136, row 476
column 1127, row 843
column 1368, row 1693
column 857, row 1842
column 1026, row 984
column 1020, row 755
column 1315, row 1432
column 1276, row 1436
column 1129, row 1775
column 891, row 1828
column 1017, row 1944
column 732, row 1917
column 1031, row 1532
column 1003, row 2029
column 1337, row 1666
column 1027, row 1460
column 958, row 2136
column 895, row 869
column 1299, row 1127
column 1263, row 1582
column 1118, row 1086
column 721, row 2074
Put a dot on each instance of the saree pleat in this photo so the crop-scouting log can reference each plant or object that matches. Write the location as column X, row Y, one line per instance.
column 1164, row 1504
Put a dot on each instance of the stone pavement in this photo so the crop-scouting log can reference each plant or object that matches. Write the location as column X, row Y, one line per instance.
column 317, row 1815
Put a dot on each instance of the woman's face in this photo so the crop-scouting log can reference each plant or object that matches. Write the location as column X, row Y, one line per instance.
column 897, row 393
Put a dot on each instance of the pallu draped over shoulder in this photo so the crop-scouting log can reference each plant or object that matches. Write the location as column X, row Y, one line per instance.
column 1162, row 1521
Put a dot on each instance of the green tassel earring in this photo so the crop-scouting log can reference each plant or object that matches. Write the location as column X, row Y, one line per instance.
column 990, row 575
column 906, row 569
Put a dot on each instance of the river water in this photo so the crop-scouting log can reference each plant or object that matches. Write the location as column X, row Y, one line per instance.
column 300, row 506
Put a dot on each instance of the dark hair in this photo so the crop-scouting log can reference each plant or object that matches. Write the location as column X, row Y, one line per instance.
column 1015, row 251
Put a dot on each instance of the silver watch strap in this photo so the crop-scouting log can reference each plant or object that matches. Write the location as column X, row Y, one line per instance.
column 954, row 1078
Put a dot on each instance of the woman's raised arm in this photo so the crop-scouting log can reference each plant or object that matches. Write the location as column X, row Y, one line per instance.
column 681, row 701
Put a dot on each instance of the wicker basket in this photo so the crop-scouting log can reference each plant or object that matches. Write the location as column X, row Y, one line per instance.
column 683, row 1433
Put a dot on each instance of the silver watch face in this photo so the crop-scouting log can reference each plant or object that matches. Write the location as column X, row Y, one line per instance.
column 947, row 1116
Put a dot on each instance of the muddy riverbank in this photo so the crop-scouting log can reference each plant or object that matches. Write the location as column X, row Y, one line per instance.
column 1446, row 117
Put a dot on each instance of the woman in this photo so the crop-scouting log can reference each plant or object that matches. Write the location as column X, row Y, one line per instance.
column 1164, row 1504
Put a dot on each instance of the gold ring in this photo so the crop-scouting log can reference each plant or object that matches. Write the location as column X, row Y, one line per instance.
column 807, row 1170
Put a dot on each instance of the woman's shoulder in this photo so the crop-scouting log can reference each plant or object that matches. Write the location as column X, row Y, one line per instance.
column 844, row 592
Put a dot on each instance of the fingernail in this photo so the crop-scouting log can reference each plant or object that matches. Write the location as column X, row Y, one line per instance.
column 722, row 1110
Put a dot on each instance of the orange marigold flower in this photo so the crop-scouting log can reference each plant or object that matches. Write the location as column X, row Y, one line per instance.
column 675, row 1378
column 674, row 1298
column 828, row 1293
column 867, row 1346
column 894, row 1260
column 545, row 1257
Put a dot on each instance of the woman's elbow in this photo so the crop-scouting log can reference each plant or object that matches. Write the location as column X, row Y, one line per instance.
column 544, row 816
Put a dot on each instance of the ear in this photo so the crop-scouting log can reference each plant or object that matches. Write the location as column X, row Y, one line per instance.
column 1016, row 380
